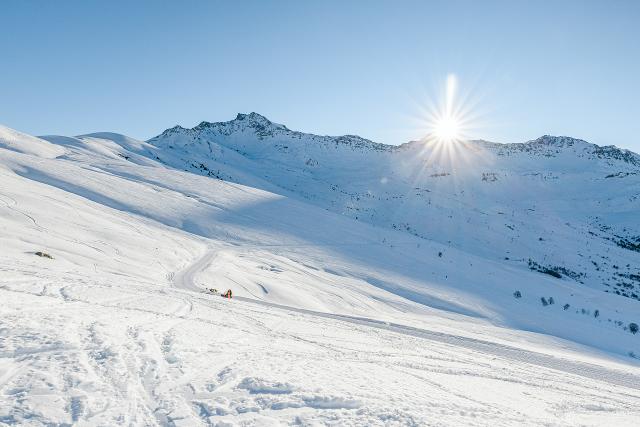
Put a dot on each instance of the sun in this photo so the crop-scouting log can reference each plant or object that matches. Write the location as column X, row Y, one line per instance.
column 448, row 122
column 447, row 129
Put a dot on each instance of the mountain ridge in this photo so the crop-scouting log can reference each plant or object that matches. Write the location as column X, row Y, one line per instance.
column 445, row 192
column 265, row 128
column 493, row 200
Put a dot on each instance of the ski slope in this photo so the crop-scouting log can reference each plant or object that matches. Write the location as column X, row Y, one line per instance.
column 337, row 321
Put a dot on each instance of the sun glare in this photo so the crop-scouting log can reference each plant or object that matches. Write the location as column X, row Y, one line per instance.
column 447, row 129
column 446, row 123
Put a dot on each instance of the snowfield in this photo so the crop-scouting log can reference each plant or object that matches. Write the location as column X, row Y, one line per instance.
column 338, row 317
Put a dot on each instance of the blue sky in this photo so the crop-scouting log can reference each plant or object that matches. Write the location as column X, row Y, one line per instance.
column 331, row 67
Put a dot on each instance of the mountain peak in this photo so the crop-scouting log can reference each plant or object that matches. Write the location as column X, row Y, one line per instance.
column 253, row 116
column 257, row 121
column 558, row 141
column 251, row 120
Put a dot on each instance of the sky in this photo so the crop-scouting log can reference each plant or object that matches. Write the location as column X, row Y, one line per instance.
column 371, row 68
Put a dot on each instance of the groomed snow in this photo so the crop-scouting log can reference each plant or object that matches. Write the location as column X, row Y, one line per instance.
column 336, row 321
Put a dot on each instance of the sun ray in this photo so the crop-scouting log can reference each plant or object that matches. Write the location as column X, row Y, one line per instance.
column 447, row 122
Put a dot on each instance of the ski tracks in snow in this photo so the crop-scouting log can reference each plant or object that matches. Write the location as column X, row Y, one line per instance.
column 185, row 279
column 175, row 356
column 582, row 369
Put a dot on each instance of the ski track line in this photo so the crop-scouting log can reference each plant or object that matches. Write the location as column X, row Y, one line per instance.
column 184, row 279
column 583, row 369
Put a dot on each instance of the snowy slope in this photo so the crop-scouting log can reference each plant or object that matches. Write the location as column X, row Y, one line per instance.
column 555, row 203
column 338, row 320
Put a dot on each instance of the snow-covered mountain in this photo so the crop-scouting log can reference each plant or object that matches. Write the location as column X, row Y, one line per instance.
column 554, row 204
column 473, row 283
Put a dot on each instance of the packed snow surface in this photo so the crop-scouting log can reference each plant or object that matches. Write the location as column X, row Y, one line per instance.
column 373, row 285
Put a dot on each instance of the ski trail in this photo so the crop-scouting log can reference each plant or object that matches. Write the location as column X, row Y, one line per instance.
column 583, row 369
column 184, row 278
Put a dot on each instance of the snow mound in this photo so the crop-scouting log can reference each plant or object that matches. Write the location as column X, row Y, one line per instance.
column 26, row 144
column 258, row 385
column 331, row 402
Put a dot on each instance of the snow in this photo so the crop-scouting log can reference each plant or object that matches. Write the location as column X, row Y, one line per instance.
column 557, row 201
column 27, row 144
column 336, row 321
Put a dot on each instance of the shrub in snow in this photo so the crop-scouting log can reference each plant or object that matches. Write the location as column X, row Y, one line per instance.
column 555, row 271
column 552, row 273
column 44, row 255
column 517, row 294
column 542, row 269
column 633, row 328
column 489, row 176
